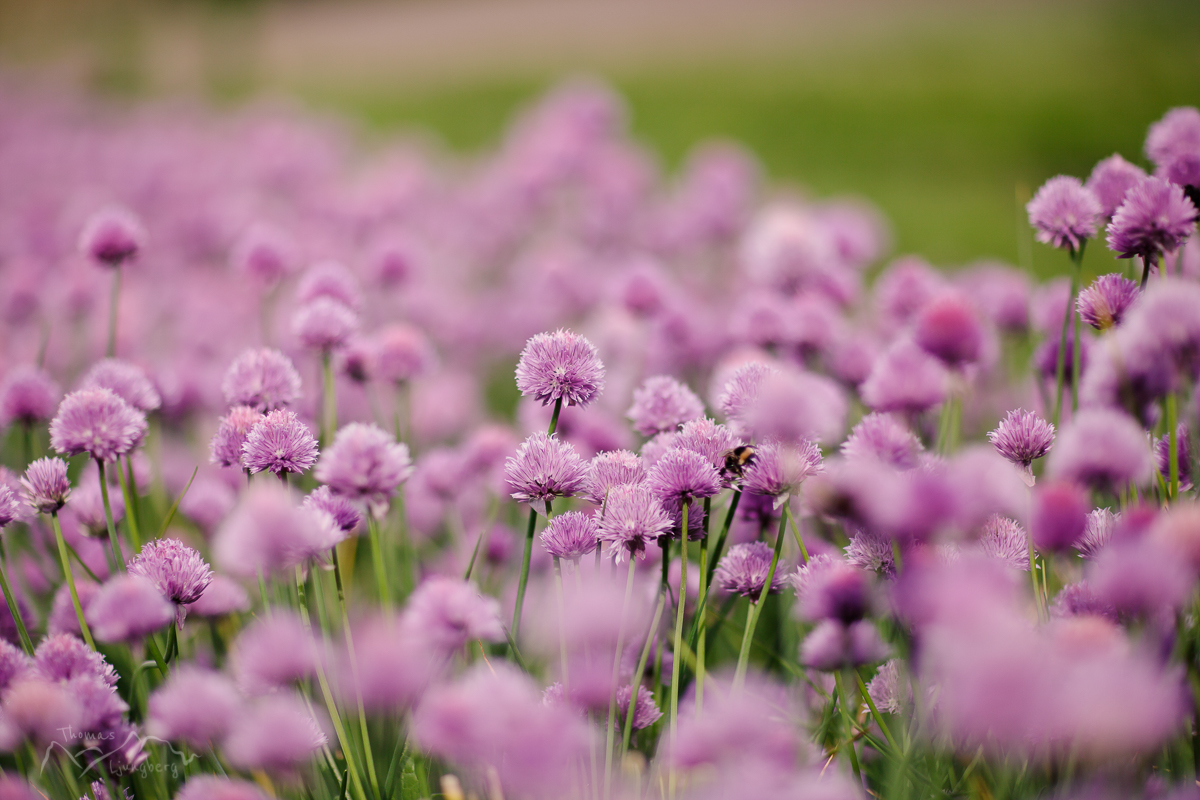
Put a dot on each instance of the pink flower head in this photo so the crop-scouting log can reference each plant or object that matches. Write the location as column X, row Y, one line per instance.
column 97, row 422
column 364, row 463
column 265, row 253
column 545, row 467
column 324, row 324
column 178, row 571
column 743, row 570
column 885, row 438
column 1022, row 437
column 560, row 366
column 112, row 237
column 331, row 280
column 949, row 327
column 127, row 381
column 228, row 441
column 661, row 404
column 1064, row 213
column 1173, row 144
column 46, row 484
column 263, row 379
column 27, row 396
column 127, row 608
column 1103, row 304
column 612, row 468
column 1155, row 218
column 633, row 517
column 1111, row 179
column 905, row 378
column 279, row 443
column 572, row 535
column 402, row 353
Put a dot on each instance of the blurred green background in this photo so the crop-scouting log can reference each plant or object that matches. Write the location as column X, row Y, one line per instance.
column 946, row 115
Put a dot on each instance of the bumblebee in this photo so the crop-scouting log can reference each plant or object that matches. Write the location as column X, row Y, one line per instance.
column 736, row 460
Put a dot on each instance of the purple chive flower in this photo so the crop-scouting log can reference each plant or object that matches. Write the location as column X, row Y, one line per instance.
column 572, row 535
column 447, row 614
column 97, row 422
column 403, row 353
column 885, row 438
column 268, row 530
column 1006, row 541
column 127, row 608
column 125, row 380
column 66, row 658
column 1064, row 213
column 707, row 437
column 888, row 689
column 1098, row 532
column 645, row 712
column 264, row 379
column 1079, row 600
column 87, row 503
column 743, row 570
column 195, row 705
column 545, row 467
column 741, row 390
column 612, row 468
column 905, row 379
column 62, row 617
column 46, row 485
column 1110, row 180
column 794, row 404
column 1045, row 359
column 175, row 569
column 279, row 443
column 662, row 404
column 324, row 324
column 682, row 476
column 778, row 468
column 273, row 651
column 633, row 517
column 10, row 505
column 832, row 646
column 210, row 787
column 265, row 253
column 560, row 366
column 223, row 596
column 331, row 280
column 1102, row 304
column 1155, row 218
column 112, row 236
column 230, row 438
column 949, row 327
column 1173, row 144
column 393, row 669
column 1022, row 437
column 276, row 734
column 1142, row 577
column 364, row 463
column 1059, row 516
column 27, row 396
column 1101, row 448
column 343, row 511
column 838, row 591
column 1162, row 456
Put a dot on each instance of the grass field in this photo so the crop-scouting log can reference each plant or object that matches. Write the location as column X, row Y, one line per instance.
column 943, row 128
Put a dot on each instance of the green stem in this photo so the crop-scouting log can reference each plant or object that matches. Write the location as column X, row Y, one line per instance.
column 701, row 613
column 118, row 563
column 739, row 676
column 524, row 578
column 799, row 539
column 381, row 577
column 114, row 302
column 640, row 671
column 175, row 506
column 156, row 654
column 362, row 713
column 11, row 599
column 848, row 715
column 612, row 700
column 862, row 688
column 677, row 651
column 328, row 401
column 554, row 417
column 130, row 507
column 1147, row 265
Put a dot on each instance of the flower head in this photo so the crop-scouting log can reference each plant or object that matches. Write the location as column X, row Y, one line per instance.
column 112, row 236
column 194, row 705
column 331, row 280
column 778, row 468
column 97, row 422
column 1022, row 437
column 1098, row 532
column 324, row 324
column 212, row 787
column 274, row 651
column 264, row 379
column 707, row 437
column 1173, row 144
column 740, row 391
column 572, row 535
column 279, row 443
column 905, row 378
column 268, row 530
column 1111, row 179
column 265, row 253
column 1162, row 456
column 1102, row 304
column 949, row 327
column 1155, row 218
column 743, row 570
column 645, row 712
column 545, row 467
column 1059, row 516
column 1006, row 541
column 403, row 352
column 612, row 468
column 28, row 395
column 62, row 657
column 127, row 381
column 1064, row 213
column 633, row 517
column 277, row 734
column 46, row 484
column 662, row 404
column 883, row 437
column 10, row 507
column 683, row 475
column 127, row 608
column 340, row 507
column 560, row 365
column 227, row 442
column 447, row 613
column 1101, row 448
column 364, row 463
column 175, row 569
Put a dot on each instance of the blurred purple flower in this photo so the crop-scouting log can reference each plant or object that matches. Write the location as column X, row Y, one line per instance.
column 273, row 651
column 27, row 396
column 1059, row 516
column 1101, row 448
column 883, row 437
column 269, row 531
column 263, row 379
column 276, row 734
column 364, row 463
column 403, row 353
column 212, row 787
column 97, row 422
column 194, row 705
column 127, row 608
column 230, row 438
column 906, row 379
column 741, row 389
column 448, row 613
column 1173, row 144
column 112, row 236
column 949, row 327
column 1162, row 457
column 343, row 511
column 662, row 404
column 779, row 468
column 743, row 570
column 223, row 596
column 1155, row 218
column 329, row 280
column 125, row 380
column 264, row 253
column 1064, row 213
column 324, row 324
column 832, row 646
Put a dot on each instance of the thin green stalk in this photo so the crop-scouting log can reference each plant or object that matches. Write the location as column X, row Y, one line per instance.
column 66, row 565
column 118, row 564
column 862, row 688
column 848, row 715
column 612, row 700
column 114, row 301
column 524, row 578
column 677, row 652
column 1147, row 265
column 701, row 613
column 799, row 539
column 157, row 655
column 739, row 676
column 1037, row 592
column 175, row 506
column 716, row 553
column 1173, row 444
column 641, row 670
column 13, row 608
column 381, row 576
column 554, row 417
column 130, row 508
column 328, row 401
